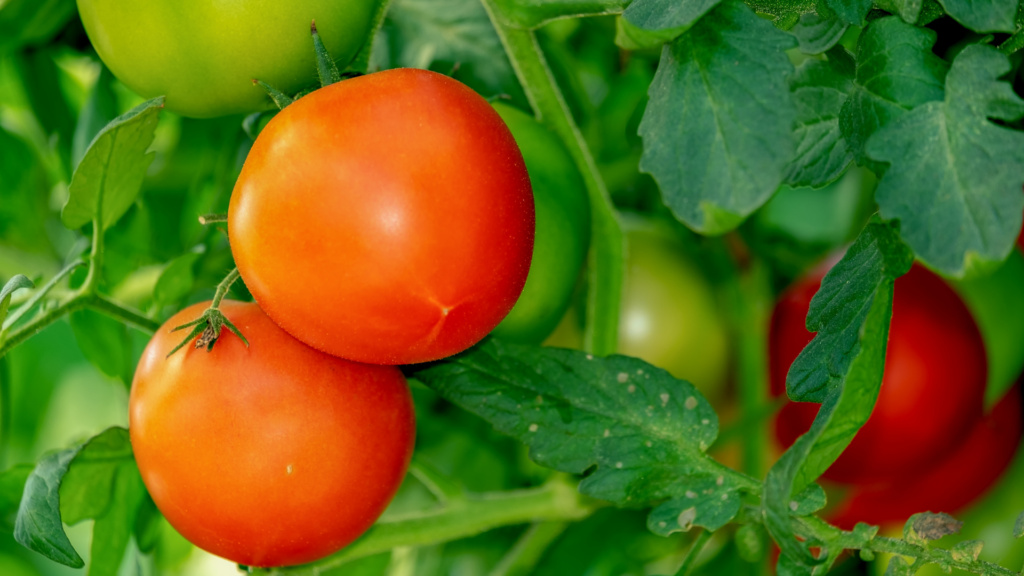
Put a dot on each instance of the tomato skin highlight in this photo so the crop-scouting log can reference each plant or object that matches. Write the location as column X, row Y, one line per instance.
column 960, row 478
column 562, row 233
column 386, row 219
column 932, row 392
column 271, row 455
column 203, row 55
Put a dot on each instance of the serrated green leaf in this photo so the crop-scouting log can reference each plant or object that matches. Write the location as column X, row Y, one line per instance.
column 909, row 10
column 644, row 432
column 630, row 37
column 967, row 551
column 38, row 526
column 17, row 282
column 983, row 15
column 177, row 279
column 698, row 125
column 955, row 179
column 99, row 110
column 808, row 501
column 820, row 88
column 105, row 342
column 666, row 15
column 841, row 368
column 107, row 180
column 816, row 34
column 850, row 11
column 899, row 567
column 12, row 485
column 86, row 489
column 896, row 71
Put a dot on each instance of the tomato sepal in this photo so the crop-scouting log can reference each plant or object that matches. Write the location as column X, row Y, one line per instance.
column 326, row 69
column 207, row 328
column 281, row 100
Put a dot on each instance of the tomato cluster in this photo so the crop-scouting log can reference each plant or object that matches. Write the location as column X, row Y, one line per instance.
column 928, row 444
column 383, row 220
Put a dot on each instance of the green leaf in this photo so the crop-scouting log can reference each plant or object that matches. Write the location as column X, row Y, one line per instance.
column 896, row 71
column 27, row 22
column 850, row 11
column 841, row 368
column 751, row 543
column 15, row 283
column 105, row 342
column 816, row 34
column 642, row 431
column 909, row 10
column 787, row 566
column 983, row 15
column 631, row 37
column 808, row 501
column 38, row 526
column 155, row 535
column 820, row 88
column 927, row 526
column 177, row 279
column 899, row 567
column 698, row 125
column 666, row 15
column 967, row 551
column 107, row 181
column 1018, row 526
column 12, row 485
column 955, row 178
column 100, row 108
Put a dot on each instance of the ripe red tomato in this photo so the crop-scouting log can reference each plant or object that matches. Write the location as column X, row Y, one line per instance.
column 385, row 219
column 932, row 391
column 270, row 455
column 966, row 473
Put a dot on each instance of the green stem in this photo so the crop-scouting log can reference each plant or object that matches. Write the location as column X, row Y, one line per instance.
column 38, row 295
column 92, row 280
column 462, row 517
column 529, row 548
column 695, row 549
column 607, row 243
column 531, row 14
column 107, row 306
column 5, row 410
column 223, row 288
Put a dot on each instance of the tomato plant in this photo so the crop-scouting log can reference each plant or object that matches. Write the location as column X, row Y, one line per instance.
column 286, row 433
column 420, row 268
column 562, row 230
column 934, row 346
column 414, row 176
column 203, row 56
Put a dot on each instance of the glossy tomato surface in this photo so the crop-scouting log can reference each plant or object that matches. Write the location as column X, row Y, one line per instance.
column 203, row 54
column 271, row 455
column 932, row 391
column 385, row 219
column 669, row 315
column 960, row 477
column 562, row 231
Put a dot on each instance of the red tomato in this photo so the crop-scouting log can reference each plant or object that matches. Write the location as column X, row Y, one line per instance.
column 270, row 455
column 385, row 219
column 932, row 391
column 959, row 479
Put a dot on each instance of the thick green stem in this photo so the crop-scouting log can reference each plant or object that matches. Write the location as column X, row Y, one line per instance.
column 92, row 280
column 607, row 243
column 530, row 14
column 462, row 517
column 695, row 549
column 223, row 288
column 38, row 295
column 107, row 306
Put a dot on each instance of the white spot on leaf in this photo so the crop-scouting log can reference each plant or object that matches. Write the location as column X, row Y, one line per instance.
column 686, row 518
column 607, row 432
column 533, row 427
column 691, row 494
column 622, row 377
column 664, row 399
column 793, row 505
column 720, row 480
column 618, row 464
column 690, row 403
column 631, row 389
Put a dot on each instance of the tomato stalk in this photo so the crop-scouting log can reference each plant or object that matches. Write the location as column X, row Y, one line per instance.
column 694, row 552
column 207, row 328
column 529, row 548
column 460, row 515
column 608, row 244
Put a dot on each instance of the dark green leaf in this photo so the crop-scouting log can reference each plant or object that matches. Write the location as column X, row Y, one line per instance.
column 909, row 10
column 12, row 485
column 841, row 368
column 100, row 108
column 699, row 123
column 86, row 491
column 955, row 178
column 15, row 283
column 38, row 526
column 817, row 34
column 107, row 181
column 104, row 342
column 177, row 279
column 40, row 77
column 112, row 531
column 983, row 15
column 666, row 15
column 820, row 88
column 27, row 22
column 850, row 11
column 631, row 37
column 644, row 431
column 896, row 71
column 787, row 566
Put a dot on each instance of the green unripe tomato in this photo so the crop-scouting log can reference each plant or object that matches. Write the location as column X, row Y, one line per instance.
column 562, row 230
column 669, row 313
column 203, row 55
